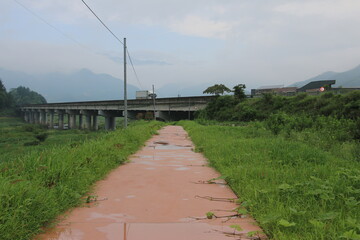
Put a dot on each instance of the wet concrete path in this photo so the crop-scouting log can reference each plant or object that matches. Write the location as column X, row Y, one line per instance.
column 160, row 194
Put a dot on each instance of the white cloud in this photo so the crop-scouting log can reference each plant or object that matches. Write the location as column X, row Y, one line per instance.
column 254, row 40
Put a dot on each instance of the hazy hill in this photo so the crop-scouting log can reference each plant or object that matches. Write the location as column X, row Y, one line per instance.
column 349, row 78
column 82, row 85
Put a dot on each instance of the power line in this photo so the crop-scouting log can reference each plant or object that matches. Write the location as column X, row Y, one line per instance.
column 74, row 40
column 132, row 65
column 102, row 22
column 52, row 26
column 137, row 78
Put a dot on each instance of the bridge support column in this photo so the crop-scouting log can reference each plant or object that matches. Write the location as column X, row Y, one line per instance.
column 42, row 118
column 89, row 114
column 61, row 119
column 80, row 121
column 51, row 118
column 27, row 116
column 68, row 121
column 110, row 123
column 36, row 117
column 95, row 126
column 72, row 118
column 88, row 122
column 110, row 119
column 31, row 117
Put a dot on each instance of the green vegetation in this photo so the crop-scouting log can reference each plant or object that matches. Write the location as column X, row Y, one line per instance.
column 230, row 108
column 22, row 95
column 6, row 101
column 38, row 185
column 217, row 89
column 18, row 138
column 17, row 97
column 298, row 184
column 293, row 161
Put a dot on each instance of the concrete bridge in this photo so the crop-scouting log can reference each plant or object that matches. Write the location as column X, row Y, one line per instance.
column 85, row 114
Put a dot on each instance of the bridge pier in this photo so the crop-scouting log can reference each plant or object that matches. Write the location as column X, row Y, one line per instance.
column 89, row 114
column 95, row 126
column 81, row 121
column 31, row 119
column 51, row 118
column 61, row 118
column 72, row 118
column 36, row 117
column 110, row 118
column 27, row 116
column 42, row 117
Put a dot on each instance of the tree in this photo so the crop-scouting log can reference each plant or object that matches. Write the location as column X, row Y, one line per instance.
column 5, row 98
column 23, row 95
column 217, row 89
column 239, row 91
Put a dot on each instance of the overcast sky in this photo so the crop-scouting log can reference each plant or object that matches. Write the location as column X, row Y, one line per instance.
column 256, row 42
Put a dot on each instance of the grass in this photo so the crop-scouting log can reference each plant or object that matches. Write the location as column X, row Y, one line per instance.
column 17, row 137
column 296, row 189
column 40, row 184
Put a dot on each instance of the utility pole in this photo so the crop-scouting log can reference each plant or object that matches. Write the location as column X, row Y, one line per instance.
column 125, row 88
column 153, row 96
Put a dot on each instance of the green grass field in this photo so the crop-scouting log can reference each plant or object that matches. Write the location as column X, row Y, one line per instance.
column 296, row 188
column 17, row 137
column 38, row 183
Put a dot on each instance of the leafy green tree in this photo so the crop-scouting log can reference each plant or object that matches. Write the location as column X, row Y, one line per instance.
column 239, row 91
column 23, row 95
column 5, row 98
column 217, row 89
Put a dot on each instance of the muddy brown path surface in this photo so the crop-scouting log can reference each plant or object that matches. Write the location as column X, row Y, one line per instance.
column 160, row 194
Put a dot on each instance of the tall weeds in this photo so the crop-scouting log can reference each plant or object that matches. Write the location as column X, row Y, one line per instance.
column 38, row 187
column 294, row 187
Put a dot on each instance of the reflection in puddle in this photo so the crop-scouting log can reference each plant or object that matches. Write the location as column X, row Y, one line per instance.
column 150, row 168
column 182, row 169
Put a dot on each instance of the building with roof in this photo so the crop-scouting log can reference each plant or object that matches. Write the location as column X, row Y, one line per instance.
column 317, row 86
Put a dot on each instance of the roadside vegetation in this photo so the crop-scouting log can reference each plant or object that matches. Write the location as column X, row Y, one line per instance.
column 294, row 162
column 38, row 185
column 9, row 101
column 18, row 138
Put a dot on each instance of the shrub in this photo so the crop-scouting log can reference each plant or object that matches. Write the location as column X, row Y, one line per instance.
column 276, row 122
column 41, row 136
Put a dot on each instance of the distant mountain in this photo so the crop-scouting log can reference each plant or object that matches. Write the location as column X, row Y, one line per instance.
column 82, row 85
column 349, row 78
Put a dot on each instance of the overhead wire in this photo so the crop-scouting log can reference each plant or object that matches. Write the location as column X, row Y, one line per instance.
column 52, row 26
column 102, row 22
column 131, row 62
column 127, row 51
column 77, row 42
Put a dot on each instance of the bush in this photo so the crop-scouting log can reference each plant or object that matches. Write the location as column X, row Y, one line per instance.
column 41, row 136
column 276, row 122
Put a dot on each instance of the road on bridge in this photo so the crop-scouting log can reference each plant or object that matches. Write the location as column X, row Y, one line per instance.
column 162, row 193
